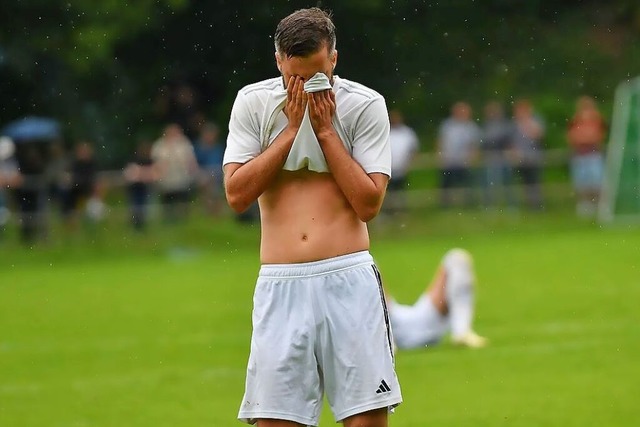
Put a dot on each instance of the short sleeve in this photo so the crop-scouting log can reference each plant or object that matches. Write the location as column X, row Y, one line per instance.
column 371, row 145
column 243, row 140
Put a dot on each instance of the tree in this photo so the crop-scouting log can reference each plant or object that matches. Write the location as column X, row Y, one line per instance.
column 98, row 65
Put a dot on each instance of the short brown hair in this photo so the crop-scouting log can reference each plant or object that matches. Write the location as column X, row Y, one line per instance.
column 305, row 32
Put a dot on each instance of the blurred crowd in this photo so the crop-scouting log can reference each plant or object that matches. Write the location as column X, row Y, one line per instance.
column 497, row 159
column 45, row 182
column 491, row 161
column 43, row 178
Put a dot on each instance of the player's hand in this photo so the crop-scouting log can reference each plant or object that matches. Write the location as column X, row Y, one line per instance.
column 322, row 107
column 296, row 102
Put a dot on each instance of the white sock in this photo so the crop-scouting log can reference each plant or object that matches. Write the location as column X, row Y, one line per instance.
column 459, row 290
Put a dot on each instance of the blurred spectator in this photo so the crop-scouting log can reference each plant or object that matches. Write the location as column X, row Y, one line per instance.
column 404, row 146
column 58, row 177
column 9, row 178
column 83, row 188
column 175, row 166
column 179, row 103
column 497, row 136
column 96, row 208
column 31, row 190
column 585, row 134
column 139, row 174
column 528, row 155
column 458, row 142
column 209, row 152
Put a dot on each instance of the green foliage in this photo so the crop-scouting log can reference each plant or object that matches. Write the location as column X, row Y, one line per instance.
column 98, row 65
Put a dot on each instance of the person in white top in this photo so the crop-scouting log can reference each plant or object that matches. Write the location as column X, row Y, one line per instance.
column 10, row 177
column 446, row 307
column 314, row 151
column 404, row 146
column 458, row 143
column 175, row 167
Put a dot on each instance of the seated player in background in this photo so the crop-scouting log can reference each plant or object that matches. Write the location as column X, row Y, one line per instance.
column 447, row 306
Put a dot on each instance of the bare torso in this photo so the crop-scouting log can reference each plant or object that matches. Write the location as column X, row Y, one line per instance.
column 305, row 217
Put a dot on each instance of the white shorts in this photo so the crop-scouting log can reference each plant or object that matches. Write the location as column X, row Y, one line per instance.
column 417, row 325
column 319, row 327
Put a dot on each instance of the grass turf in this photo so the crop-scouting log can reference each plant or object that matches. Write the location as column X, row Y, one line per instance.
column 113, row 329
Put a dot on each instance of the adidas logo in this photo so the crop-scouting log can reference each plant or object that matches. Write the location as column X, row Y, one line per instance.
column 384, row 387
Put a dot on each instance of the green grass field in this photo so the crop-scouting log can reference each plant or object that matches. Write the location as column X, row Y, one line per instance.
column 113, row 329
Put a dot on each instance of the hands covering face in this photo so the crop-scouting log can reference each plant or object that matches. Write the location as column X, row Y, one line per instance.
column 296, row 101
column 322, row 106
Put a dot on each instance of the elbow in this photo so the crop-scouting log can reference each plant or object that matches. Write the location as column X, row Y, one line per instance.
column 368, row 207
column 237, row 208
column 237, row 203
column 368, row 212
column 367, row 217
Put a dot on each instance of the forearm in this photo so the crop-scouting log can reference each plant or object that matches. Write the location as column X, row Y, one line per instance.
column 363, row 193
column 244, row 184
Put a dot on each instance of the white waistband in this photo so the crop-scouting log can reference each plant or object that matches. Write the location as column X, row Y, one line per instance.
column 313, row 268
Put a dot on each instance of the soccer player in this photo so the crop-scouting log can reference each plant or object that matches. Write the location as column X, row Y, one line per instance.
column 447, row 306
column 313, row 149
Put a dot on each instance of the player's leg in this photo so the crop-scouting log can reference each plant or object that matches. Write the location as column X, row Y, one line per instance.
column 459, row 289
column 283, row 387
column 436, row 291
column 277, row 423
column 355, row 352
column 374, row 418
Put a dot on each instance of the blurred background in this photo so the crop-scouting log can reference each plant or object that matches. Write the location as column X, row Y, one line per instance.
column 113, row 76
column 515, row 132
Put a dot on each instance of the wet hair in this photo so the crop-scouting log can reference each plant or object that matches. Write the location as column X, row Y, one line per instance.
column 305, row 32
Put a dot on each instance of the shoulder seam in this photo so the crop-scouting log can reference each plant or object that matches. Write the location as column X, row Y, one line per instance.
column 360, row 89
column 269, row 84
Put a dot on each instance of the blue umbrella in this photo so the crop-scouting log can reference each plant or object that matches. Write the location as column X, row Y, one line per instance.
column 32, row 129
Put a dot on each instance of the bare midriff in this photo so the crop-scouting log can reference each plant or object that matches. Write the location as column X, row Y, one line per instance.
column 306, row 217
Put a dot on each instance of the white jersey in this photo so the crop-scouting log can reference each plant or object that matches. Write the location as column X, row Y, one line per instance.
column 361, row 121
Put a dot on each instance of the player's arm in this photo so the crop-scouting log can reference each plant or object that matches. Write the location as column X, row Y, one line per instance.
column 364, row 191
column 245, row 182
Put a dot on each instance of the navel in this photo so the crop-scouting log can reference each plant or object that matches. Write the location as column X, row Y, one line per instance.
column 305, row 238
